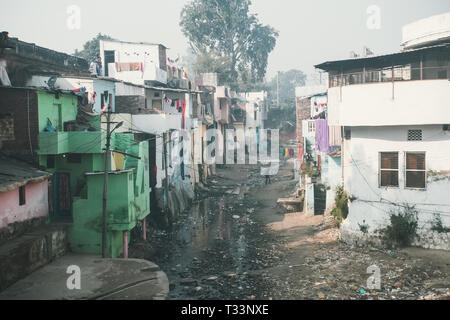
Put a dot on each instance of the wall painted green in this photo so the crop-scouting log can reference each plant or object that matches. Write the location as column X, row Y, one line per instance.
column 85, row 233
column 58, row 109
column 128, row 192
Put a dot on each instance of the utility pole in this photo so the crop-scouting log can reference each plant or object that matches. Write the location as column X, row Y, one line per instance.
column 105, row 185
column 278, row 89
column 166, row 181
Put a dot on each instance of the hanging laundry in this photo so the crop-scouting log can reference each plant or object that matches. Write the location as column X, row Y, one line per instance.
column 322, row 135
column 128, row 66
column 183, row 107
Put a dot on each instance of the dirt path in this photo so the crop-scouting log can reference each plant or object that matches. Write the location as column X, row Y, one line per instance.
column 236, row 243
column 317, row 266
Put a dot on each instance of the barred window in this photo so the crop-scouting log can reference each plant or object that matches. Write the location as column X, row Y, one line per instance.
column 388, row 169
column 415, row 170
column 415, row 135
column 6, row 126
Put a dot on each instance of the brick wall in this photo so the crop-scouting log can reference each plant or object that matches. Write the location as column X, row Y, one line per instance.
column 22, row 107
column 303, row 111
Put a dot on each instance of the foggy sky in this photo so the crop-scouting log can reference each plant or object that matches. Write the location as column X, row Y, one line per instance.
column 311, row 32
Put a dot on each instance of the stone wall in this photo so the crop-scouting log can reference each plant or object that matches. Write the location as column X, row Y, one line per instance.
column 23, row 255
column 427, row 239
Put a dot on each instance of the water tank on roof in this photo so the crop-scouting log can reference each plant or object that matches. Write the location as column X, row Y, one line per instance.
column 426, row 32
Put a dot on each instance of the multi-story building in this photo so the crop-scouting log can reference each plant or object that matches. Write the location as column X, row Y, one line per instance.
column 394, row 111
column 66, row 139
column 135, row 62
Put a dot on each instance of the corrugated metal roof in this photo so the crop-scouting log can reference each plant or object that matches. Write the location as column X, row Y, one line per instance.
column 15, row 174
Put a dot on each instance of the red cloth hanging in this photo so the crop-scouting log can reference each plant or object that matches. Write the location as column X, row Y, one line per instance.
column 183, row 109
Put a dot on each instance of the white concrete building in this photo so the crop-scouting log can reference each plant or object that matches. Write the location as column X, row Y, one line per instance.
column 256, row 108
column 135, row 62
column 395, row 114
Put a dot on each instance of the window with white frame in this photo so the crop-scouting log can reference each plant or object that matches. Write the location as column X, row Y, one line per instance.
column 415, row 170
column 388, row 175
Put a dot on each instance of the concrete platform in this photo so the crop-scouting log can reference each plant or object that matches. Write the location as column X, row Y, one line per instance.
column 23, row 255
column 291, row 204
column 108, row 279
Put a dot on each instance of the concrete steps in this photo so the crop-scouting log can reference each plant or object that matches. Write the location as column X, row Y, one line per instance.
column 21, row 256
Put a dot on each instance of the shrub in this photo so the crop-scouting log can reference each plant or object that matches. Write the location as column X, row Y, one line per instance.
column 437, row 224
column 308, row 169
column 341, row 205
column 403, row 228
column 364, row 227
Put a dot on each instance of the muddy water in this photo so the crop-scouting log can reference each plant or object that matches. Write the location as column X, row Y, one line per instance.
column 217, row 250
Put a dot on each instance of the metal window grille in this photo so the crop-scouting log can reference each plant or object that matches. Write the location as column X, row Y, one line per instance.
column 415, row 135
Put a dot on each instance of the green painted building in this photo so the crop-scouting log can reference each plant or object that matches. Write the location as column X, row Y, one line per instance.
column 76, row 159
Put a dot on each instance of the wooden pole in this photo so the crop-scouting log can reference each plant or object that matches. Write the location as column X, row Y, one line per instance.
column 105, row 184
column 125, row 244
column 166, row 180
column 144, row 229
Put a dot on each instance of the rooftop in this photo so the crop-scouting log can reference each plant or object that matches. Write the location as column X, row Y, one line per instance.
column 428, row 31
column 142, row 43
column 392, row 58
column 15, row 174
column 32, row 52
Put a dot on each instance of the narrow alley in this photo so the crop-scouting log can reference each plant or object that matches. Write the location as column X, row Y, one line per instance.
column 236, row 243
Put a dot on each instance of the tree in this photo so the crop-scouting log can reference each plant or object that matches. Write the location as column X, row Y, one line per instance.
column 287, row 81
column 91, row 48
column 227, row 27
column 213, row 61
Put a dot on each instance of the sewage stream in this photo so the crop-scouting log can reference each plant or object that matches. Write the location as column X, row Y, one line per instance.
column 217, row 249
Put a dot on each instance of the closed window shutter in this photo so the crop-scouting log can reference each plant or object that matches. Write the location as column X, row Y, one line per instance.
column 415, row 170
column 389, row 169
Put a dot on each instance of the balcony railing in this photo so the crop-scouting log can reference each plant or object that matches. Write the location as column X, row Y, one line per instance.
column 396, row 73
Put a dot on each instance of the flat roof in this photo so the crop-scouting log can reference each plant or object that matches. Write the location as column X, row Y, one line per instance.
column 39, row 89
column 97, row 173
column 140, row 42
